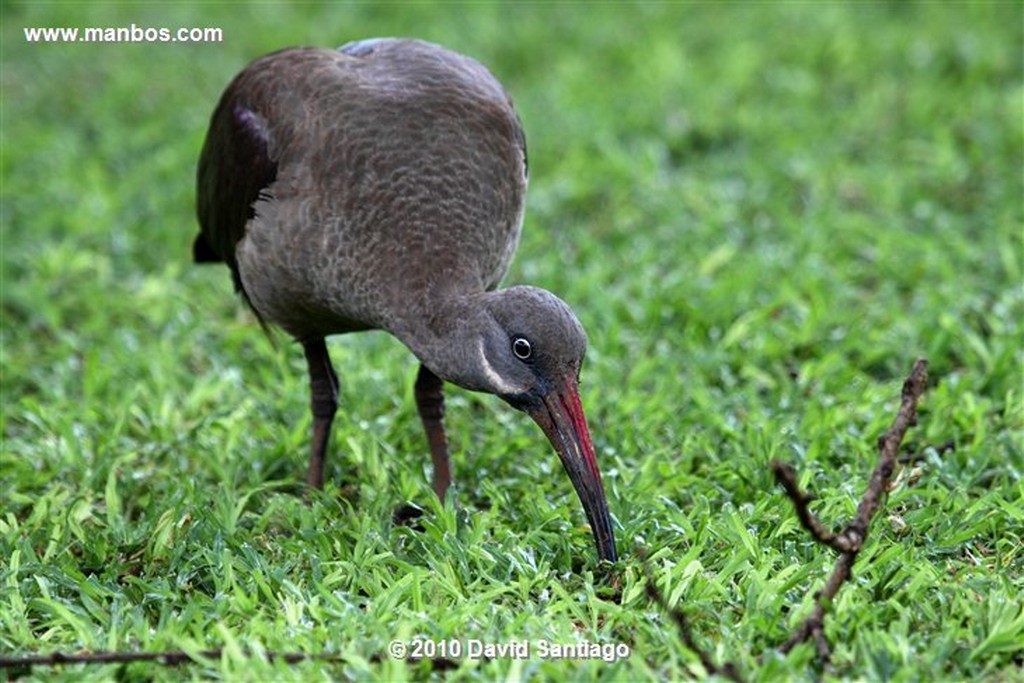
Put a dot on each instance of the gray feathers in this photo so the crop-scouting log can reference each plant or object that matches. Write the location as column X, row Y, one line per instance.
column 380, row 185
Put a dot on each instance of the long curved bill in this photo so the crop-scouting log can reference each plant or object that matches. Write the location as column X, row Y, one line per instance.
column 561, row 417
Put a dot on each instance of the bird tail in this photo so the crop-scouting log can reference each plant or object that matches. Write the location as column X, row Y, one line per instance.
column 202, row 252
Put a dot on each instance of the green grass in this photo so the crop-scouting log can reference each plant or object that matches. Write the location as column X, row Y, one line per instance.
column 762, row 213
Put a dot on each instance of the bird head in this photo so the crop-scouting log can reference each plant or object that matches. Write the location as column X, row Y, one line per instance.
column 525, row 345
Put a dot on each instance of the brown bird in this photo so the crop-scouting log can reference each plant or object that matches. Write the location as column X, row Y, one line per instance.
column 382, row 186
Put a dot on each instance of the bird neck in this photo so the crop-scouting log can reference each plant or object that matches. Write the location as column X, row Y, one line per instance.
column 443, row 333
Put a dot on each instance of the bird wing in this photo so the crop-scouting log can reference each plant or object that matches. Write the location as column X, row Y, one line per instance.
column 234, row 168
column 301, row 122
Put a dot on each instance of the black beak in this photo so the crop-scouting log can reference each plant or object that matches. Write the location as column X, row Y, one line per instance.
column 560, row 415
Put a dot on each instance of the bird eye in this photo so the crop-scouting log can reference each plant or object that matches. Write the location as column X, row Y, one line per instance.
column 521, row 347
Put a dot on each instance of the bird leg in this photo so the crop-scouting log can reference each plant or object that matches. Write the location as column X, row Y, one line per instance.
column 430, row 402
column 323, row 385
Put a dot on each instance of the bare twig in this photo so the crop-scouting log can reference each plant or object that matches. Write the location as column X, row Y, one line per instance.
column 847, row 542
column 851, row 539
column 787, row 476
column 170, row 658
column 177, row 657
column 683, row 625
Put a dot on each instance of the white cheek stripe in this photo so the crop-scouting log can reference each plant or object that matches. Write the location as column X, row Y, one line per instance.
column 492, row 375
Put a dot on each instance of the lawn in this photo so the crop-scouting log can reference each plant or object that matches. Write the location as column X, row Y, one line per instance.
column 761, row 213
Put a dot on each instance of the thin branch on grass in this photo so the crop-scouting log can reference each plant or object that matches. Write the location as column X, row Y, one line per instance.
column 847, row 542
column 851, row 539
column 177, row 657
column 686, row 632
column 169, row 658
column 787, row 476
